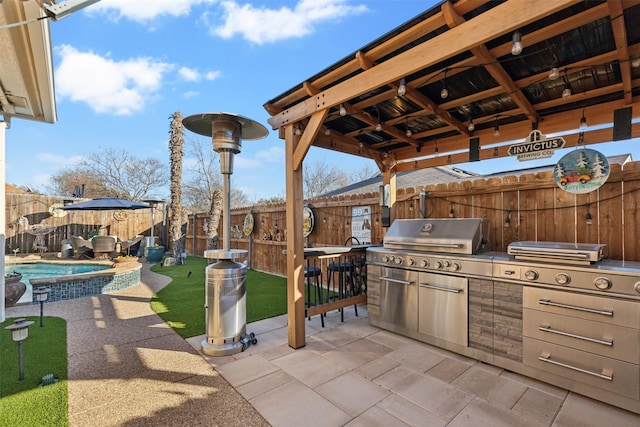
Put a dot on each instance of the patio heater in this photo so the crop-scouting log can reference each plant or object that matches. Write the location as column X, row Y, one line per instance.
column 226, row 278
column 153, row 203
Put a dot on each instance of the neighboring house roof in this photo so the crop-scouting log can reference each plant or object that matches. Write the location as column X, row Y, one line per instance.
column 443, row 175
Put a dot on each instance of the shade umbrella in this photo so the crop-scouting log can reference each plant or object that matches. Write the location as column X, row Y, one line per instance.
column 104, row 204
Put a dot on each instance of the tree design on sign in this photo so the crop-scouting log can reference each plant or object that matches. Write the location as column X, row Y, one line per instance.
column 581, row 171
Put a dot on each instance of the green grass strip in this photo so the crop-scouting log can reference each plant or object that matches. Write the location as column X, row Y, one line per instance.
column 181, row 303
column 25, row 403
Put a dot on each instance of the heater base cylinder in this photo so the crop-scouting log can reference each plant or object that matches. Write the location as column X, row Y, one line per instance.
column 226, row 318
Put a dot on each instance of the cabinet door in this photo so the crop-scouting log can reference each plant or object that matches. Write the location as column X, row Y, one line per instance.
column 443, row 310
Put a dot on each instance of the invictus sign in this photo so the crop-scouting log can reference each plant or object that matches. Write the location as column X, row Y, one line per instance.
column 536, row 146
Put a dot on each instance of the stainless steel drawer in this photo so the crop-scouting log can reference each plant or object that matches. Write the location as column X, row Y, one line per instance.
column 590, row 307
column 605, row 339
column 602, row 372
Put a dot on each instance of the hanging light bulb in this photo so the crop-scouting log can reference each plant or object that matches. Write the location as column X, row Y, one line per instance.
column 402, row 89
column 451, row 212
column 471, row 126
column 327, row 131
column 583, row 121
column 343, row 111
column 298, row 130
column 379, row 126
column 444, row 92
column 409, row 133
column 516, row 47
column 588, row 218
column 554, row 73
column 566, row 92
column 496, row 130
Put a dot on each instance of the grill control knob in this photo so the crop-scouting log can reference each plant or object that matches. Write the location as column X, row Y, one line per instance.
column 439, row 264
column 398, row 260
column 637, row 287
column 563, row 279
column 531, row 275
column 602, row 283
column 447, row 264
column 456, row 266
column 411, row 261
column 386, row 258
column 425, row 263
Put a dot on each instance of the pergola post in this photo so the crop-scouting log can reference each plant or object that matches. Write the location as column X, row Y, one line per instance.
column 295, row 242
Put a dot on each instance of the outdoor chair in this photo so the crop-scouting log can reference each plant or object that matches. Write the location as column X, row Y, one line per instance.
column 81, row 247
column 103, row 246
column 127, row 246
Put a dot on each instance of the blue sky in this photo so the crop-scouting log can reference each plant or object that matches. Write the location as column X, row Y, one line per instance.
column 122, row 67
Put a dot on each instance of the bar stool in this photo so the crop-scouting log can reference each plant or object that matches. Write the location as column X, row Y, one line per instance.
column 316, row 274
column 342, row 269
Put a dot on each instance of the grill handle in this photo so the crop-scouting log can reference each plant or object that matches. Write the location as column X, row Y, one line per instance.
column 554, row 254
column 545, row 328
column 428, row 245
column 441, row 288
column 576, row 307
column 605, row 375
column 400, row 282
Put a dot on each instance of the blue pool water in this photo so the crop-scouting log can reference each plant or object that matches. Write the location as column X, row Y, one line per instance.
column 42, row 269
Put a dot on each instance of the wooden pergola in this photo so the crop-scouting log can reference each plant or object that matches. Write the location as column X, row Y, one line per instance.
column 386, row 101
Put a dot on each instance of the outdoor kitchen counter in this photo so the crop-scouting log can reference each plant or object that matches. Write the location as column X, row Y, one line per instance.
column 334, row 250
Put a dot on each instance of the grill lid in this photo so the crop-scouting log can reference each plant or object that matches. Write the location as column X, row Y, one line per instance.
column 457, row 235
column 559, row 252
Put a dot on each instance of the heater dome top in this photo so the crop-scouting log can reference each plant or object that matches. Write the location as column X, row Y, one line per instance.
column 201, row 124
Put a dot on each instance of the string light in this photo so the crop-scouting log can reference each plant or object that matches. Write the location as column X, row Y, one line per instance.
column 451, row 212
column 566, row 92
column 583, row 121
column 298, row 130
column 554, row 73
column 587, row 217
column 507, row 220
column 444, row 93
column 402, row 88
column 343, row 111
column 516, row 47
column 496, row 128
column 471, row 126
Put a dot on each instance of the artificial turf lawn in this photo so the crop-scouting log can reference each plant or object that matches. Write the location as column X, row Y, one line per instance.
column 181, row 303
column 25, row 403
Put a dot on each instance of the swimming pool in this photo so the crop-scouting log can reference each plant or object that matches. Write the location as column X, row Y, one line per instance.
column 70, row 281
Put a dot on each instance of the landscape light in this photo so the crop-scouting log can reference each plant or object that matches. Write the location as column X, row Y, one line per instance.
column 19, row 332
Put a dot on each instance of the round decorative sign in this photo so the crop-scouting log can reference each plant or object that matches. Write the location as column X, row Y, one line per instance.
column 57, row 211
column 120, row 215
column 247, row 227
column 308, row 221
column 581, row 171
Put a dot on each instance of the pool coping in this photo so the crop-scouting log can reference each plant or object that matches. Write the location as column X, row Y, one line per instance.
column 115, row 269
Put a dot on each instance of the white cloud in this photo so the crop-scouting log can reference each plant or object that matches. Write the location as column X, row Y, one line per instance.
column 144, row 10
column 58, row 159
column 213, row 75
column 190, row 94
column 106, row 85
column 263, row 25
column 189, row 74
column 273, row 154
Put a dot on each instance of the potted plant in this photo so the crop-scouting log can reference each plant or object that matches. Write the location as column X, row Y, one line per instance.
column 13, row 288
column 154, row 253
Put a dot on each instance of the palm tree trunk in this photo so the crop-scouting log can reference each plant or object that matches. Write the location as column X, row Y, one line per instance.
column 177, row 213
column 214, row 219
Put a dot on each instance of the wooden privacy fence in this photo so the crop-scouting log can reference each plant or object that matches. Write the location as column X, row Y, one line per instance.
column 35, row 210
column 519, row 207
